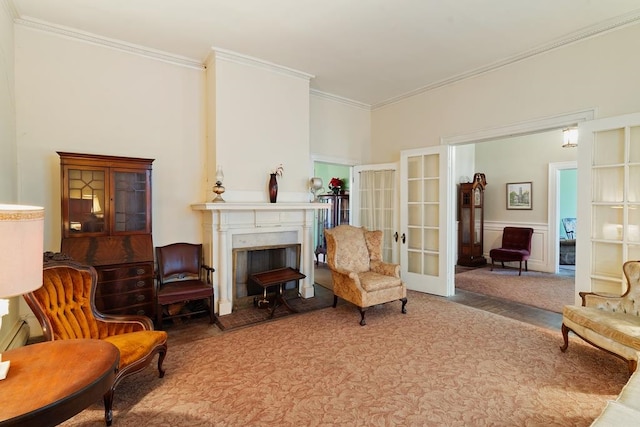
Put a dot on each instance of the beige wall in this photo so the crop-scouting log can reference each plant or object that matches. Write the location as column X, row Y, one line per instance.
column 601, row 72
column 520, row 159
column 8, row 159
column 261, row 121
column 78, row 97
column 340, row 130
column 8, row 192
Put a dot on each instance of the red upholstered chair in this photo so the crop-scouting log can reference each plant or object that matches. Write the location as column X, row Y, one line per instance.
column 516, row 246
column 65, row 307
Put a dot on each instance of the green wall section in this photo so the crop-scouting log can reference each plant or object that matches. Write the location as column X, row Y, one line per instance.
column 568, row 196
column 326, row 171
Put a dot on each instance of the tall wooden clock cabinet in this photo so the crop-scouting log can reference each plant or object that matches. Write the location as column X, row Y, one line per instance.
column 106, row 223
column 471, row 222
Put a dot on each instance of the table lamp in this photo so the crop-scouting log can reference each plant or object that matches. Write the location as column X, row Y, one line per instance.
column 21, row 246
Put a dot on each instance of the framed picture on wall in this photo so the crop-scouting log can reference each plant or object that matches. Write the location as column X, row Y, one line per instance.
column 519, row 195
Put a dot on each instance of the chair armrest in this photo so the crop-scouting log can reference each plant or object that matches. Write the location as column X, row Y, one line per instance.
column 209, row 270
column 602, row 301
column 385, row 268
column 345, row 276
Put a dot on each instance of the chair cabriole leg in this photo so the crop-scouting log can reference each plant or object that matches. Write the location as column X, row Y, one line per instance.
column 404, row 305
column 362, row 313
column 565, row 336
column 335, row 301
column 161, row 356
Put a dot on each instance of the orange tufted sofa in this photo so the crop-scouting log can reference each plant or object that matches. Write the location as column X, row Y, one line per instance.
column 65, row 308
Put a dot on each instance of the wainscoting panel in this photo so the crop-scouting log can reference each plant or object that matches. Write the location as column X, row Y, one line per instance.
column 539, row 260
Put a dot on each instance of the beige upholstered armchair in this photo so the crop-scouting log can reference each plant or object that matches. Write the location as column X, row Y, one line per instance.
column 359, row 275
column 608, row 322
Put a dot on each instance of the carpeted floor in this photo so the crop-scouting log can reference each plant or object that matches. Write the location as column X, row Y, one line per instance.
column 543, row 290
column 440, row 364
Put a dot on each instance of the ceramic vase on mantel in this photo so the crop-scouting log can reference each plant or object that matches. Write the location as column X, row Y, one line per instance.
column 273, row 188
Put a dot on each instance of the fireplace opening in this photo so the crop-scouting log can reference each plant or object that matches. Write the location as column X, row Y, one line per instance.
column 248, row 261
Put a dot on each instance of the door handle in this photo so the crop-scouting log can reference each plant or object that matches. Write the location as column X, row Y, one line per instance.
column 395, row 236
column 403, row 237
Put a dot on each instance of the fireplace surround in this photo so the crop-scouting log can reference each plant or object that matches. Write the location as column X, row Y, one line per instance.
column 229, row 227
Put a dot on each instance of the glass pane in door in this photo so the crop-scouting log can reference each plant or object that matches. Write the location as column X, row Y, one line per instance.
column 86, row 200
column 130, row 201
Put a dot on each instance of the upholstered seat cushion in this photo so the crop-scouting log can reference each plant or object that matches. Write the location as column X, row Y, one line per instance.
column 501, row 254
column 136, row 346
column 372, row 282
column 185, row 290
column 619, row 327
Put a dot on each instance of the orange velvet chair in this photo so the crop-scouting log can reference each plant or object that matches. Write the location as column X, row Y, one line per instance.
column 65, row 308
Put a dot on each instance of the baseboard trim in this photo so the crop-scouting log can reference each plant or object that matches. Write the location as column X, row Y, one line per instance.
column 17, row 336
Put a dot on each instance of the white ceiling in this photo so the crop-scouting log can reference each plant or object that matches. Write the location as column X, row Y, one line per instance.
column 369, row 51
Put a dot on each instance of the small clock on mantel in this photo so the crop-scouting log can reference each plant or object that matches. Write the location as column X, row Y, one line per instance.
column 471, row 222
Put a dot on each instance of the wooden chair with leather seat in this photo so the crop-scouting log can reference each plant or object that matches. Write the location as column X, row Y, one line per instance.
column 516, row 246
column 65, row 308
column 181, row 279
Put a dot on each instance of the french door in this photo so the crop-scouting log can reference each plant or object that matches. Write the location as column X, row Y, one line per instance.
column 374, row 201
column 426, row 216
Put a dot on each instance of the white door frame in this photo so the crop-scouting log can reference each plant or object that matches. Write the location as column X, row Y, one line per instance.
column 517, row 129
column 554, row 209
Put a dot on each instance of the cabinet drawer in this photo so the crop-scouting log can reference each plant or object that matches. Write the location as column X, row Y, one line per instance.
column 122, row 300
column 139, row 284
column 139, row 309
column 106, row 274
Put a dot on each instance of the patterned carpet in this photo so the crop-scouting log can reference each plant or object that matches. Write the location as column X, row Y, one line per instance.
column 440, row 364
column 543, row 290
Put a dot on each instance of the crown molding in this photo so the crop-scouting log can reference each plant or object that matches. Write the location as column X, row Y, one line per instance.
column 601, row 28
column 239, row 58
column 134, row 49
column 339, row 99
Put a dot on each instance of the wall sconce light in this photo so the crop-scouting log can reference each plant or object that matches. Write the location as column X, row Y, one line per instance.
column 218, row 188
column 21, row 252
column 570, row 137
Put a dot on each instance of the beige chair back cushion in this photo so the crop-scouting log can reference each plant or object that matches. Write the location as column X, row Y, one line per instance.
column 347, row 248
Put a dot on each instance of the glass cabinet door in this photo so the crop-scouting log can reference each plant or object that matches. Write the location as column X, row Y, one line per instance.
column 131, row 201
column 85, row 201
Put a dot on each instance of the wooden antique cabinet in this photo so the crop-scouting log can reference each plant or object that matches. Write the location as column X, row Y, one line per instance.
column 471, row 222
column 106, row 223
column 336, row 215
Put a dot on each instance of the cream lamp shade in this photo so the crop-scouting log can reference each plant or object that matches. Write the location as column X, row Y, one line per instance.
column 21, row 248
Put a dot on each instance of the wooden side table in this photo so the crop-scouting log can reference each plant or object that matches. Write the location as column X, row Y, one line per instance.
column 50, row 382
column 278, row 277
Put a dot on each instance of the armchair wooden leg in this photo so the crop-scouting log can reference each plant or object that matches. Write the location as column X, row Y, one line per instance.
column 491, row 264
column 404, row 305
column 161, row 356
column 108, row 405
column 335, row 301
column 526, row 265
column 362, row 313
column 520, row 269
column 565, row 336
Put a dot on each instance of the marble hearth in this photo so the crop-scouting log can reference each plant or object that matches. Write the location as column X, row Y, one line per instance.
column 232, row 226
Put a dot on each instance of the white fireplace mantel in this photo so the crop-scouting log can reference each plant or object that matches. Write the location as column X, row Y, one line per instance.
column 266, row 223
